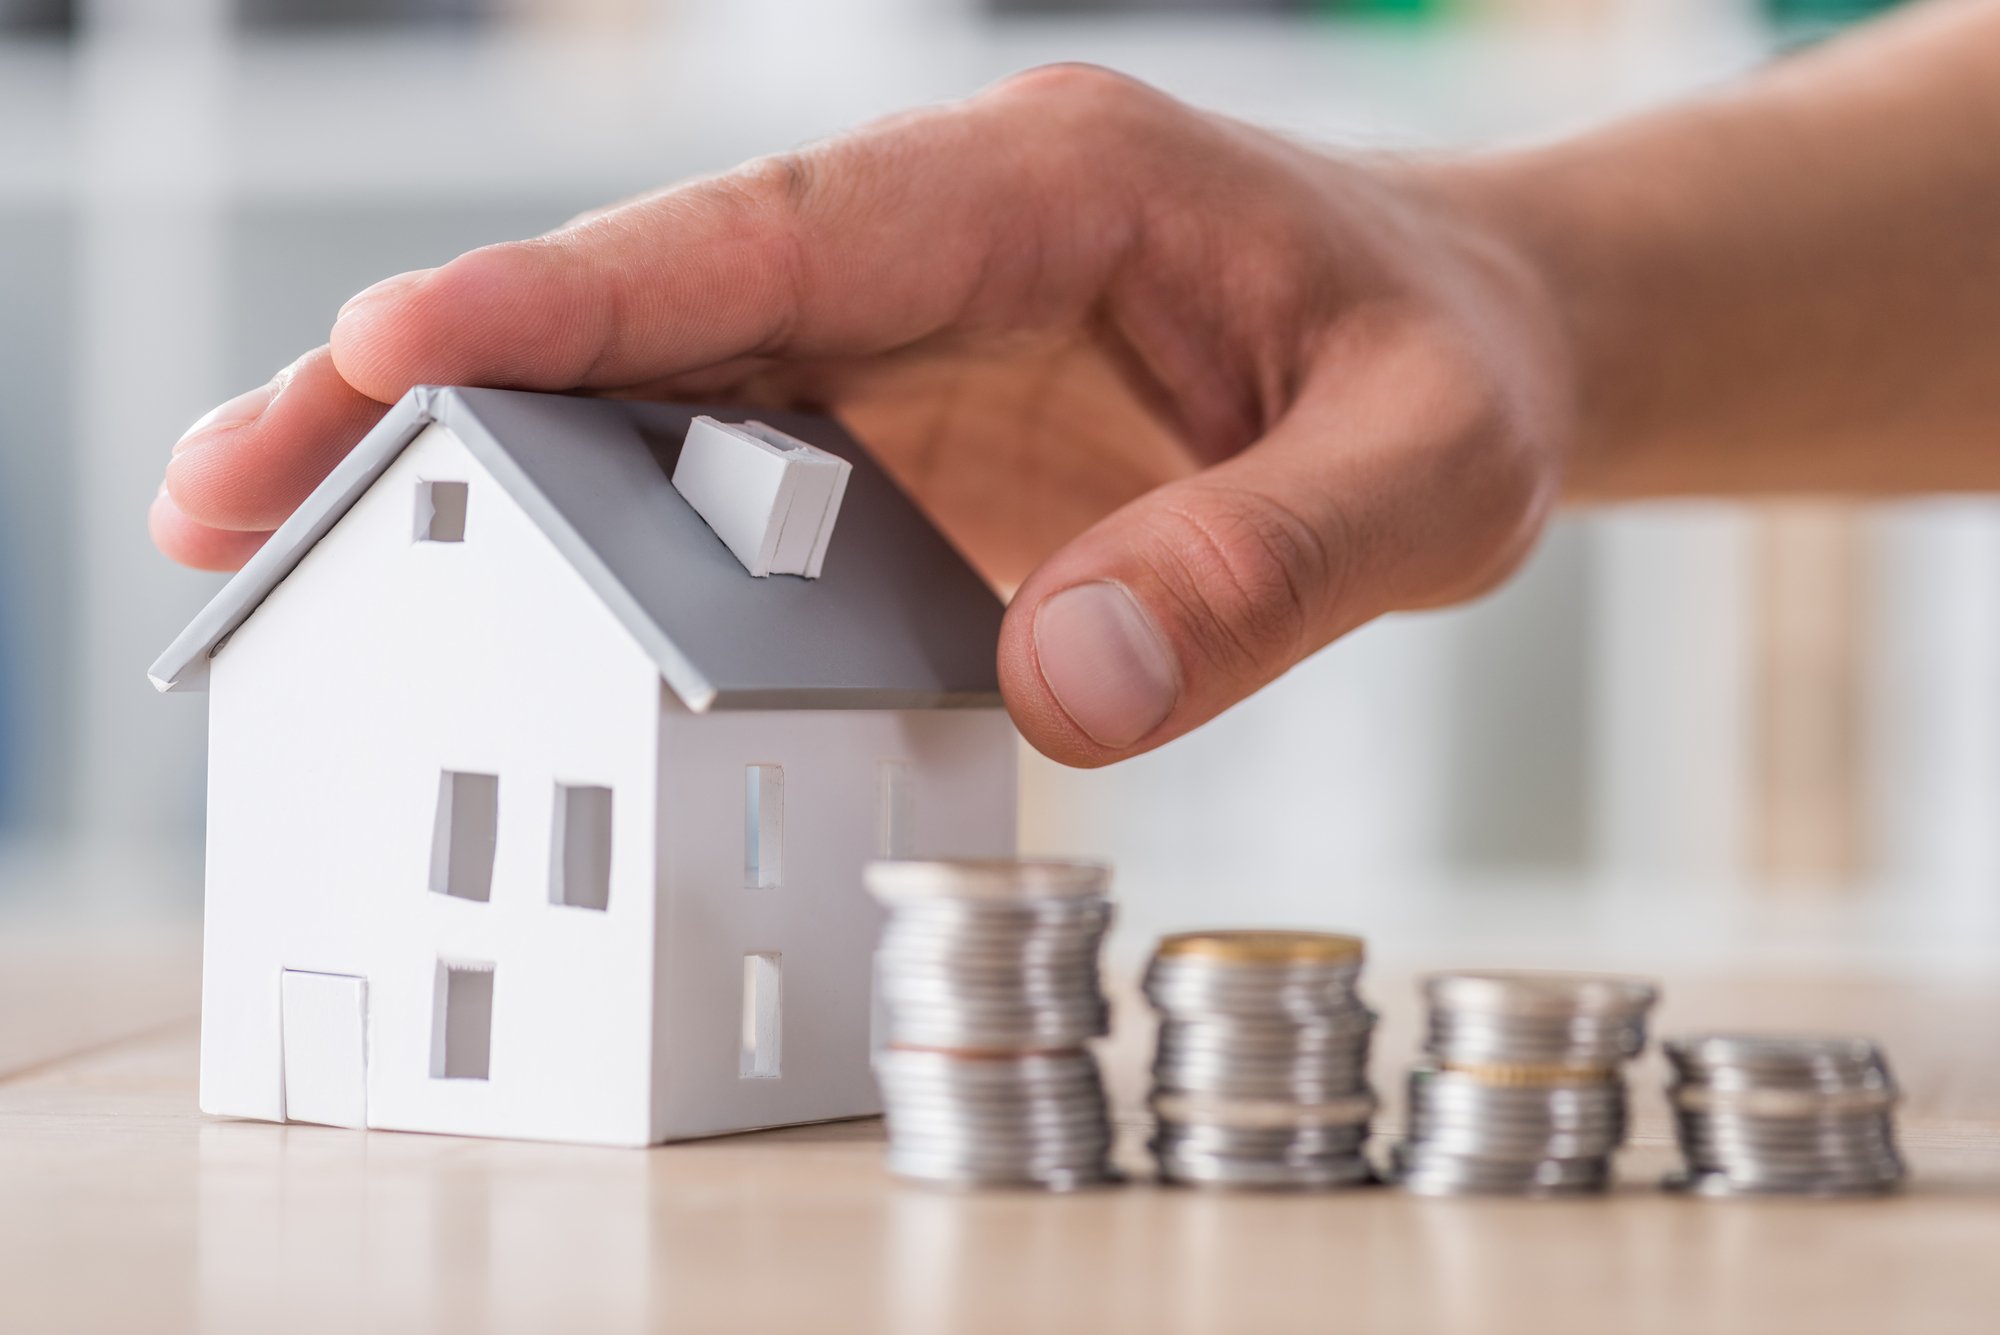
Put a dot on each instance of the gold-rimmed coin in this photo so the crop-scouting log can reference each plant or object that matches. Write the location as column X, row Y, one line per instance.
column 1523, row 1075
column 1263, row 946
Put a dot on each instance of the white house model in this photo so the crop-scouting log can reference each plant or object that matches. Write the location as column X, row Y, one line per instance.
column 533, row 813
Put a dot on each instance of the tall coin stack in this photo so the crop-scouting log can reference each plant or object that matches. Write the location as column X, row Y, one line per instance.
column 1523, row 1091
column 987, row 972
column 1766, row 1115
column 1261, row 1076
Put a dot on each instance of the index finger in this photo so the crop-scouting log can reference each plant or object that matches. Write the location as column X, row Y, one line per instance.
column 989, row 213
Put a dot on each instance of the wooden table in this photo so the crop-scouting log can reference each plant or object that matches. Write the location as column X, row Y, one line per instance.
column 123, row 1209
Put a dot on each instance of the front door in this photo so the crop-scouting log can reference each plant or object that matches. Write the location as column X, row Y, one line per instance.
column 325, row 1022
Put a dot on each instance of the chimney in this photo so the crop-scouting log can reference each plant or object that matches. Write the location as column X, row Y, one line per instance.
column 770, row 497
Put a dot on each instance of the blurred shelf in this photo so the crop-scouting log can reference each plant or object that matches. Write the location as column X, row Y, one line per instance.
column 38, row 123
column 279, row 119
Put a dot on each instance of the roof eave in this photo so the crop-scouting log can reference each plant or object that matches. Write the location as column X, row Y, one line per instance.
column 851, row 698
column 184, row 664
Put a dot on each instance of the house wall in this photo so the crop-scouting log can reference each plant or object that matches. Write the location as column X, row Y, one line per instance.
column 378, row 663
column 959, row 800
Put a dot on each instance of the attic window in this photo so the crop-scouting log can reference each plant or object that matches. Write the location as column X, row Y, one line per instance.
column 463, row 833
column 580, row 856
column 441, row 511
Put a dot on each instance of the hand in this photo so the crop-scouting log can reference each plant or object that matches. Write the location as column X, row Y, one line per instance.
column 1204, row 398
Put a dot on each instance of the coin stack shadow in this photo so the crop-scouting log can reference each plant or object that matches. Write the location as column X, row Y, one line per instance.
column 988, row 979
column 1523, row 1092
column 1261, row 1074
column 1761, row 1115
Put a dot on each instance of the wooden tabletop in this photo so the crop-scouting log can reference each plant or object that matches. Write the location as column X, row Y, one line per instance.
column 123, row 1209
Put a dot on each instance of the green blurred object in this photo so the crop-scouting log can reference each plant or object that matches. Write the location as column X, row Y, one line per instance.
column 1824, row 13
column 1383, row 9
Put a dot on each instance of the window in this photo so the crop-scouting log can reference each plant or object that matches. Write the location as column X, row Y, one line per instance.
column 763, row 826
column 463, row 835
column 580, row 855
column 441, row 511
column 462, row 1024
column 763, row 980
column 892, row 839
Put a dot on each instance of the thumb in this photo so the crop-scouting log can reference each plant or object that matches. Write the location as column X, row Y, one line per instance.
column 1193, row 596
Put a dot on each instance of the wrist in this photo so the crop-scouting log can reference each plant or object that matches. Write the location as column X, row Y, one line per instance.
column 1516, row 212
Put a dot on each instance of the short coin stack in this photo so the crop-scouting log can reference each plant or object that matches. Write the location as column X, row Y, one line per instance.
column 1523, row 1092
column 1261, row 1077
column 988, row 974
column 1768, row 1115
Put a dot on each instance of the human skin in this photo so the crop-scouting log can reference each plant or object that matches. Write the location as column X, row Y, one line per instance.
column 1202, row 398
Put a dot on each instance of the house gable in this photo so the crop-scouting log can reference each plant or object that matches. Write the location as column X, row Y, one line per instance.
column 397, row 691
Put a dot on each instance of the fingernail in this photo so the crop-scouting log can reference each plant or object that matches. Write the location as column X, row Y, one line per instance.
column 1105, row 662
column 388, row 287
column 239, row 411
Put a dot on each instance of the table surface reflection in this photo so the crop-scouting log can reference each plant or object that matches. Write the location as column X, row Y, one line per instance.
column 122, row 1208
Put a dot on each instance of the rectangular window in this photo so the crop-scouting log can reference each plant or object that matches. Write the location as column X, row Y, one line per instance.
column 462, row 1026
column 463, row 834
column 580, row 853
column 892, row 838
column 763, row 981
column 441, row 511
column 763, row 826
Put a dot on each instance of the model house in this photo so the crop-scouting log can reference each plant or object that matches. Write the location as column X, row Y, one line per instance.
column 534, row 813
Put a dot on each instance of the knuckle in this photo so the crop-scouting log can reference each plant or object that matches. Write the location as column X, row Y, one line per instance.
column 784, row 184
column 1073, row 84
column 778, row 198
column 1247, row 572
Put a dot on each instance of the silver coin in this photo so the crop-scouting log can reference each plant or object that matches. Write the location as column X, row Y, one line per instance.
column 1259, row 1114
column 1431, row 1174
column 1585, row 1042
column 1763, row 1115
column 1198, row 1153
column 1539, row 993
column 1208, row 1170
column 987, row 975
column 1260, row 1076
column 1774, row 1057
column 1198, row 987
column 1522, row 1092
column 991, row 956
column 1719, row 1184
column 1301, row 1143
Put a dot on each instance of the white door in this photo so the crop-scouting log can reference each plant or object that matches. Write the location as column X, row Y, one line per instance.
column 325, row 1021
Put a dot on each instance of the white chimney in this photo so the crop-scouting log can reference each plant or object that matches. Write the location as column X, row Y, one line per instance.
column 770, row 497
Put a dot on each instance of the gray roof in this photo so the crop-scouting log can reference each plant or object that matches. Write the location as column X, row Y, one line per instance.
column 897, row 620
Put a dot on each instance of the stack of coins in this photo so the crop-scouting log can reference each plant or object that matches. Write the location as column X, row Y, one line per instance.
column 1261, row 1076
column 987, row 974
column 1798, row 1116
column 1523, row 1092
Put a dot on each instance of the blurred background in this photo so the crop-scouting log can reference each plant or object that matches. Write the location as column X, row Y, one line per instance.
column 1689, row 734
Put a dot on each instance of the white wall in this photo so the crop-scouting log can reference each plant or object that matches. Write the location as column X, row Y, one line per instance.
column 819, row 919
column 376, row 664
